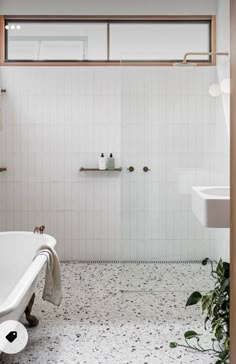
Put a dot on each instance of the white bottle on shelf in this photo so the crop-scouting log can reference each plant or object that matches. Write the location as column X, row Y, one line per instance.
column 111, row 162
column 102, row 162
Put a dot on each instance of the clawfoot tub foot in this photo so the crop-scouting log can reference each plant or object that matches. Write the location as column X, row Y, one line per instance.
column 32, row 320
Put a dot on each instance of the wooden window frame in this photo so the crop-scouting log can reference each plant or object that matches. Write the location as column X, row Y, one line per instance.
column 108, row 20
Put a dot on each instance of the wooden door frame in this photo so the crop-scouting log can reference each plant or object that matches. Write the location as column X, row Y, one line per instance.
column 233, row 183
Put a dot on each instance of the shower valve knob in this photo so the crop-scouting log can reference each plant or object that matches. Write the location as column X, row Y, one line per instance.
column 130, row 169
column 146, row 169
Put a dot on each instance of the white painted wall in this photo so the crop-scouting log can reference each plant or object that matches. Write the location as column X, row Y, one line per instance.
column 223, row 27
column 111, row 7
column 223, row 44
column 223, row 71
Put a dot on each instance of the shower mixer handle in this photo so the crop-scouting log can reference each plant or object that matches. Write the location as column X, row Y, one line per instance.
column 130, row 169
column 146, row 169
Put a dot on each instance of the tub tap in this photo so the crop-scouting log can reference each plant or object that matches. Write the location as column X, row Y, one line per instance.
column 39, row 229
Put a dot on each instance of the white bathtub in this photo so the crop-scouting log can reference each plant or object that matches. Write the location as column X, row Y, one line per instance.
column 18, row 270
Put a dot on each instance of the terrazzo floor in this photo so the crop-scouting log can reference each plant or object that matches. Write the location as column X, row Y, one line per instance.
column 117, row 314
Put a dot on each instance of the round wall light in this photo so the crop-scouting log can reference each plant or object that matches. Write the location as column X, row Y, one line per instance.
column 215, row 90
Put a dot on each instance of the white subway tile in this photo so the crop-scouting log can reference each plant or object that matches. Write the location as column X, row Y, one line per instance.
column 63, row 118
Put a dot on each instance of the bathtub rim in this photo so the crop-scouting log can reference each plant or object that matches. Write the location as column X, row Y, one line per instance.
column 14, row 299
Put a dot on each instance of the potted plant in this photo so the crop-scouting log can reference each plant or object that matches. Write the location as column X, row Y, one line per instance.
column 215, row 307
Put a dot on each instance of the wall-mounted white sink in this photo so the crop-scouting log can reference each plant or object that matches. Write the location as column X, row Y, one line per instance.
column 211, row 205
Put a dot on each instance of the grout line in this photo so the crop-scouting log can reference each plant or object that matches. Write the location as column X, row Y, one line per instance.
column 133, row 262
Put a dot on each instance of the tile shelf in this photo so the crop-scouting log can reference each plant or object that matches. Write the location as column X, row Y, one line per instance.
column 82, row 169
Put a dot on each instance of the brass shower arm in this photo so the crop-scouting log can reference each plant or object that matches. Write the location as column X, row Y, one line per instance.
column 203, row 54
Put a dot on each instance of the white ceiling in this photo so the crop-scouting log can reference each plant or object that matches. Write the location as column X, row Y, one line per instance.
column 104, row 7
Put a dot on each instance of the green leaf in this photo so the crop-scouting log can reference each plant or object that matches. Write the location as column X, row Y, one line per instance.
column 225, row 304
column 224, row 355
column 220, row 268
column 226, row 269
column 226, row 344
column 190, row 334
column 173, row 345
column 194, row 299
column 224, row 285
column 207, row 302
column 220, row 301
column 219, row 362
column 219, row 333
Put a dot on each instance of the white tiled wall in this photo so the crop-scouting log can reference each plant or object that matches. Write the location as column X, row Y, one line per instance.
column 223, row 70
column 55, row 120
column 171, row 124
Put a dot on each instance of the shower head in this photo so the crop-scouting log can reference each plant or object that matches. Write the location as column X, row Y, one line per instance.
column 186, row 63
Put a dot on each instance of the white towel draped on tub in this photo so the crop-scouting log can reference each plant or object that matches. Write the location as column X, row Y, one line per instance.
column 52, row 289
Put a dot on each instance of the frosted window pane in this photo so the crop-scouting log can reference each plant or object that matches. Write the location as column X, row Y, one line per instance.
column 57, row 41
column 167, row 41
